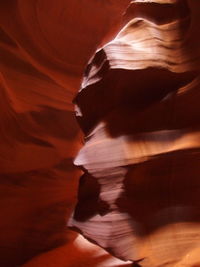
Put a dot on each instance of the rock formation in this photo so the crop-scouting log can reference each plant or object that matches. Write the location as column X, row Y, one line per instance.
column 44, row 46
column 138, row 107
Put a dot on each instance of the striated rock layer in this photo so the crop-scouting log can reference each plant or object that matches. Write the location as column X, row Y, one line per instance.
column 139, row 109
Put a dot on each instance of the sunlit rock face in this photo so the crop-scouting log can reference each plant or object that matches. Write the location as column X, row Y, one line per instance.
column 138, row 106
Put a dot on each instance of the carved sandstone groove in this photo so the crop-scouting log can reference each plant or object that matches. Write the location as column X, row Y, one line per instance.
column 138, row 106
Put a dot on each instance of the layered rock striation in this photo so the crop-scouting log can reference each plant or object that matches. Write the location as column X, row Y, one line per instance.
column 139, row 109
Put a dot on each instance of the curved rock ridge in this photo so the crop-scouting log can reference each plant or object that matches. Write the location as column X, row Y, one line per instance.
column 138, row 107
column 156, row 1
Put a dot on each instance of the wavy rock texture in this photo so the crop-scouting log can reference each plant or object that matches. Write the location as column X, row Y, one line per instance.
column 139, row 109
column 139, row 196
column 44, row 46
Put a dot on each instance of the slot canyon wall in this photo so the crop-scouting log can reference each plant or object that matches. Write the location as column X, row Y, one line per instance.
column 138, row 108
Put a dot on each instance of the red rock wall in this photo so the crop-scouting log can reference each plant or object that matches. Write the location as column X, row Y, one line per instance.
column 44, row 48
